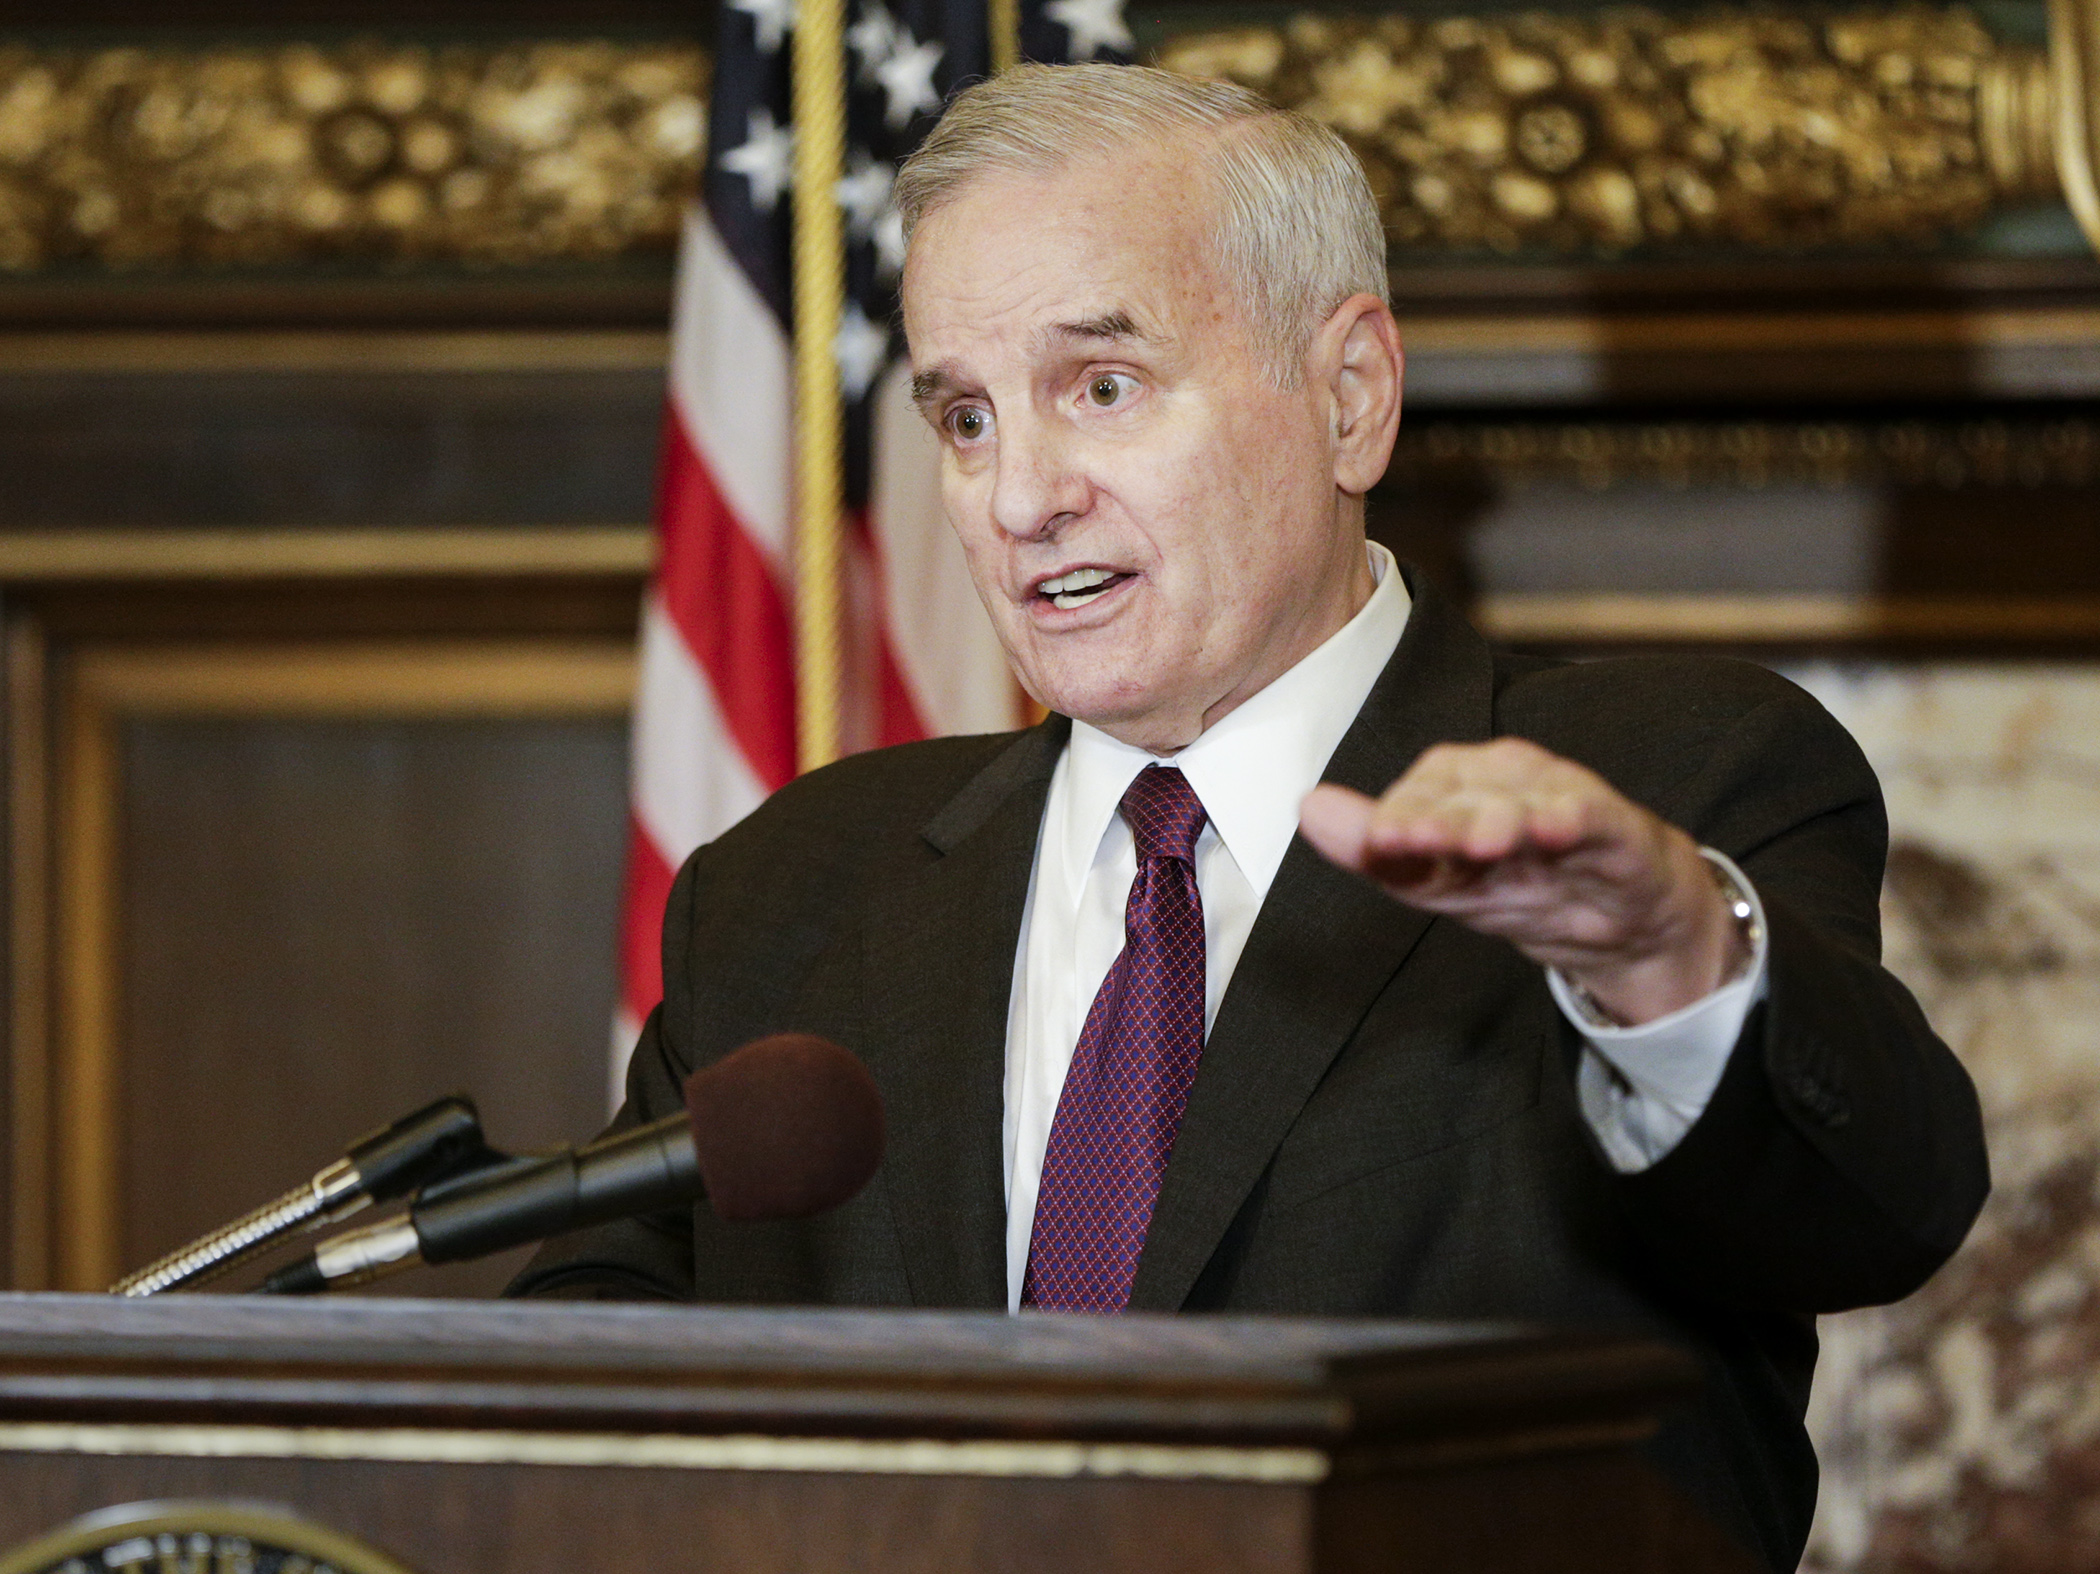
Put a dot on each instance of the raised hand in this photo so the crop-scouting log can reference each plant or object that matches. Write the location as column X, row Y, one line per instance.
column 1513, row 841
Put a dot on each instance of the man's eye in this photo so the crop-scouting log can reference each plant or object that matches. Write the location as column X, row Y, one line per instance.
column 1109, row 388
column 969, row 423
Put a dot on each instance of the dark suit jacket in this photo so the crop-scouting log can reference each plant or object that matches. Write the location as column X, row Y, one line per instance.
column 1384, row 1121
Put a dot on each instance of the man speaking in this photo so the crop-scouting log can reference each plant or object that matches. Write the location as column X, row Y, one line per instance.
column 1311, row 957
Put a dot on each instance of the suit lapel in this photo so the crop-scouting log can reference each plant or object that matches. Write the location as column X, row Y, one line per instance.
column 938, row 957
column 1323, row 948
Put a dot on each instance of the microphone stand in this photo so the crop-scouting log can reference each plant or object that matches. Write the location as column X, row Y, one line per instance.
column 441, row 1139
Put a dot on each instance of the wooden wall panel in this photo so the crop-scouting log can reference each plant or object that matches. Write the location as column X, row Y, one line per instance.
column 325, row 924
column 332, row 433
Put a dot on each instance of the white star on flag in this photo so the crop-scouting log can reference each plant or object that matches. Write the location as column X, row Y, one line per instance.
column 907, row 77
column 864, row 192
column 766, row 158
column 860, row 348
column 1095, row 25
column 874, row 38
column 770, row 20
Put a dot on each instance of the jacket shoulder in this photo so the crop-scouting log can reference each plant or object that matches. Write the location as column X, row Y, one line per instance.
column 1651, row 704
column 1687, row 735
column 901, row 788
column 1713, row 690
column 823, row 840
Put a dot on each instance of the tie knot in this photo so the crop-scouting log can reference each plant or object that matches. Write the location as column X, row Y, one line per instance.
column 1164, row 814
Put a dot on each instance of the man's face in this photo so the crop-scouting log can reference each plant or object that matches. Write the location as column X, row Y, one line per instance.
column 1154, row 527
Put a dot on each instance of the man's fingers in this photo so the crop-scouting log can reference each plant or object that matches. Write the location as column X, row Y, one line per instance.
column 1480, row 824
column 1337, row 821
column 1480, row 827
column 1559, row 820
column 1537, row 850
column 1461, row 813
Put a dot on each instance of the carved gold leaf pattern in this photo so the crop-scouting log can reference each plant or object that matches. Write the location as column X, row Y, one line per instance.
column 1565, row 134
column 160, row 158
column 1626, row 128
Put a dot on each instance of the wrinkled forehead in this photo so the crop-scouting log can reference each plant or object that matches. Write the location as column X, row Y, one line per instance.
column 1128, row 228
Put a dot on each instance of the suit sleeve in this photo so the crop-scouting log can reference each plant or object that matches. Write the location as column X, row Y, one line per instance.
column 1841, row 1159
column 648, row 1257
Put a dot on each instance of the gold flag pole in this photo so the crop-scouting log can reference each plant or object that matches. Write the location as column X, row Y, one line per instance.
column 1004, row 20
column 2074, row 66
column 820, row 283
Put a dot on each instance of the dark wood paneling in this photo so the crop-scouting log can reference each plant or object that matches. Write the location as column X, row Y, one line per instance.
column 580, row 604
column 1605, row 1512
column 550, row 1521
column 633, row 294
column 326, row 925
column 1978, row 541
column 343, row 448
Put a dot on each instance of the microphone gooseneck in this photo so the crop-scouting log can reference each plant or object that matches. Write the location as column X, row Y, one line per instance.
column 782, row 1128
column 436, row 1140
column 330, row 1195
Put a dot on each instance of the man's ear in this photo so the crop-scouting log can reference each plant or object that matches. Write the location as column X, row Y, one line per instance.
column 1358, row 355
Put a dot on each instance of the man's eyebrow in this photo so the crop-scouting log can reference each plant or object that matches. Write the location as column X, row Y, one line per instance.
column 1113, row 325
column 929, row 386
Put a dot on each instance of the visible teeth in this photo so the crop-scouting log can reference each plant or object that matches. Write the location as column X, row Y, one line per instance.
column 1078, row 579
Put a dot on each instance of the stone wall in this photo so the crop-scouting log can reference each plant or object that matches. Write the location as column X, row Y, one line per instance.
column 1961, row 1429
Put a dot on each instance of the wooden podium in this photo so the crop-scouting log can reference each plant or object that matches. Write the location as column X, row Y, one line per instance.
column 468, row 1437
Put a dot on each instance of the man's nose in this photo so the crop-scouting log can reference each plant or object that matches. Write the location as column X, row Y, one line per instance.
column 1038, row 482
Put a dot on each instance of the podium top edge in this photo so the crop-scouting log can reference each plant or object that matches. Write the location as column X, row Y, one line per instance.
column 1238, row 1381
column 1290, row 1350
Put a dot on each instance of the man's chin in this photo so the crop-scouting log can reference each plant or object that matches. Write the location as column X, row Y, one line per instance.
column 1081, row 703
column 1147, row 722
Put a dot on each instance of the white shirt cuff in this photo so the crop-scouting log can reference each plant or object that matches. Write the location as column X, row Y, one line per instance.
column 1642, row 1088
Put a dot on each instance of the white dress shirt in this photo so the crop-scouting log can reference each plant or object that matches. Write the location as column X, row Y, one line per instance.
column 1640, row 1088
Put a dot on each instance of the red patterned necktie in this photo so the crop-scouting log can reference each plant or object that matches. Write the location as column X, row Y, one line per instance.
column 1131, row 1071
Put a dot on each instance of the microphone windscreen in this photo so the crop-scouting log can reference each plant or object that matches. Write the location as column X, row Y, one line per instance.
column 784, row 1127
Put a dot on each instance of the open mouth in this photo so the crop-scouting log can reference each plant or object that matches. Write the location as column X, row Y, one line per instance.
column 1079, row 587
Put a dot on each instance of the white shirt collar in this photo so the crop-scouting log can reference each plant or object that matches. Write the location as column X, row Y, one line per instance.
column 1252, row 768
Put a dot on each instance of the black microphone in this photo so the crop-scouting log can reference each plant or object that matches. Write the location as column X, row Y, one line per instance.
column 440, row 1139
column 783, row 1128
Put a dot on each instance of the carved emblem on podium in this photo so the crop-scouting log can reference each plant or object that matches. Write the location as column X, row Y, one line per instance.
column 202, row 1536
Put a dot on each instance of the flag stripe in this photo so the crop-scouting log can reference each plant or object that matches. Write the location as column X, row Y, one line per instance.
column 715, row 712
column 727, row 607
column 733, row 384
column 690, row 778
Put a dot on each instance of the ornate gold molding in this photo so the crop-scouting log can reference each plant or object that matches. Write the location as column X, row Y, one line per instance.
column 178, row 158
column 1581, row 133
column 1585, row 618
column 2055, row 452
column 1626, row 128
column 1045, row 1458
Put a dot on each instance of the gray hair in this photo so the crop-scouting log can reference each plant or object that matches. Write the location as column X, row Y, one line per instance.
column 1297, row 231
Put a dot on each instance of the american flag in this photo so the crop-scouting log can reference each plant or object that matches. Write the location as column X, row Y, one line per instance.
column 714, row 725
